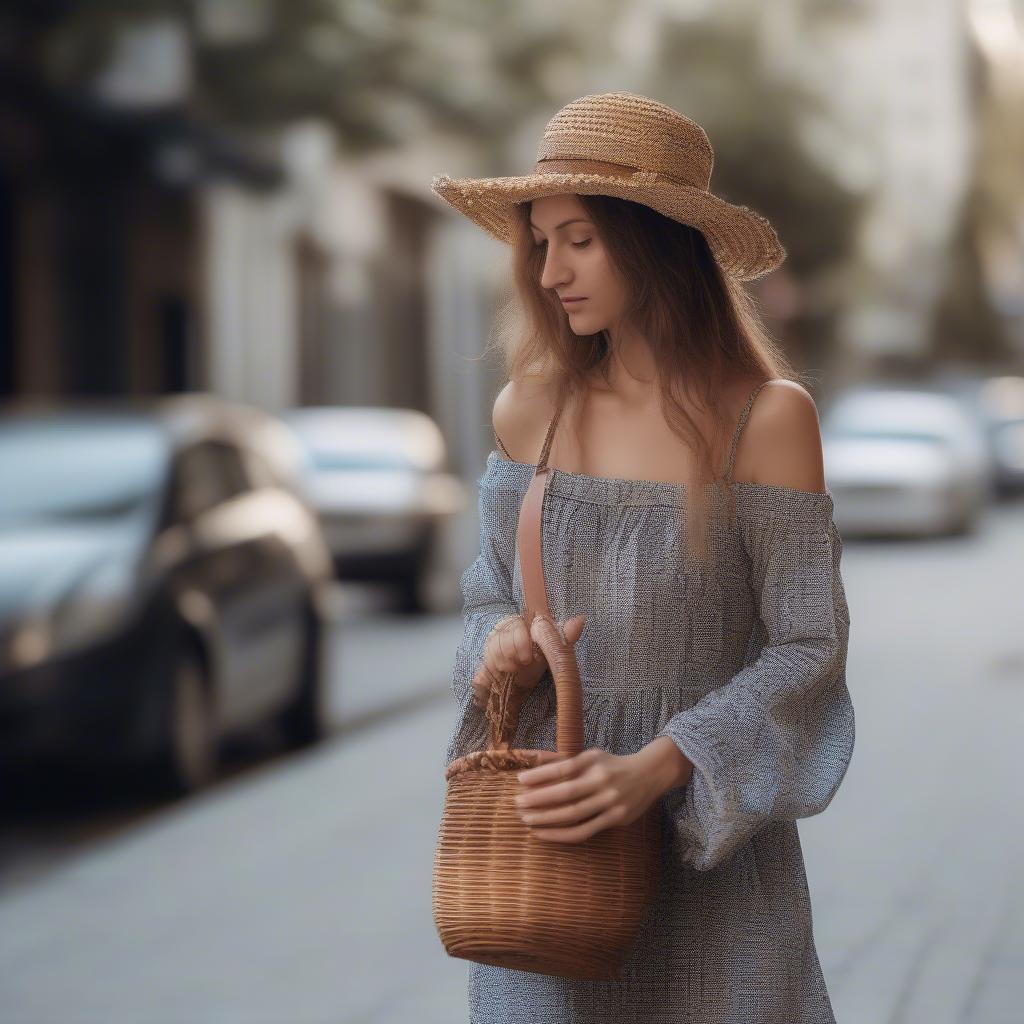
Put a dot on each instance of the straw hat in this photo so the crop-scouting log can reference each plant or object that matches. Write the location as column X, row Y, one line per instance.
column 621, row 144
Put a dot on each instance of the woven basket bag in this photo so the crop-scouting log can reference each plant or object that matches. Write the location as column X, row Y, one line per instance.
column 505, row 898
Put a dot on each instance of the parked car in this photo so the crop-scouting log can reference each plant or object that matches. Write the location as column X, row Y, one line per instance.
column 161, row 585
column 904, row 461
column 998, row 403
column 379, row 480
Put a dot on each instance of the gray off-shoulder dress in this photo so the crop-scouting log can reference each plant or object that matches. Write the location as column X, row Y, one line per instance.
column 744, row 668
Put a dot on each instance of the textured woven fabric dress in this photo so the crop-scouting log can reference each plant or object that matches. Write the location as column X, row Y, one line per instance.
column 744, row 668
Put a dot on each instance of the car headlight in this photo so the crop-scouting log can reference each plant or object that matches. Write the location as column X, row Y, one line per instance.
column 29, row 643
column 93, row 612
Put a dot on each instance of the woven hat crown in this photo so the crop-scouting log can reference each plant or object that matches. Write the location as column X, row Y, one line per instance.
column 634, row 131
column 630, row 147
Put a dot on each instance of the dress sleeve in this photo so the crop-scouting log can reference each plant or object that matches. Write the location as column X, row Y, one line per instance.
column 773, row 743
column 487, row 591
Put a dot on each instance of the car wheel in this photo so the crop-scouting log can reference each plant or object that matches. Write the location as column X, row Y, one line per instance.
column 188, row 757
column 305, row 720
column 966, row 522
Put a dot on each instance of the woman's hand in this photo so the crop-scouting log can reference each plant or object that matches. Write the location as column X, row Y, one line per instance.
column 571, row 799
column 510, row 648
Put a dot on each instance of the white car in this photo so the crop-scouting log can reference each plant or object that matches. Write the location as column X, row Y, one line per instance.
column 904, row 461
column 378, row 479
column 998, row 402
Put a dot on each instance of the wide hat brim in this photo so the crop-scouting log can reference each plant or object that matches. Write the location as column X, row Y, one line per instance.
column 743, row 241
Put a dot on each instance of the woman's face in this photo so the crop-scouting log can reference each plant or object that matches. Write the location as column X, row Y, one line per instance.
column 576, row 264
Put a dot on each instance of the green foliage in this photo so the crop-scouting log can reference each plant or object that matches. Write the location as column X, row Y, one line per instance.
column 714, row 73
column 379, row 71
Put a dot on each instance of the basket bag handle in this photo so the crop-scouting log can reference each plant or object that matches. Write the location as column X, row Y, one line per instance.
column 565, row 671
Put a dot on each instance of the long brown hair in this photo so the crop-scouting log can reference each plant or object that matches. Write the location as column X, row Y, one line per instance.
column 703, row 327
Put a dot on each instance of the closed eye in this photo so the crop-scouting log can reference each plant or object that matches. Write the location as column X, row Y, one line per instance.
column 576, row 245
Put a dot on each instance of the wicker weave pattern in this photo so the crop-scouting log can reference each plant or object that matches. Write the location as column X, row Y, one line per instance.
column 632, row 147
column 527, row 895
column 630, row 130
column 759, row 702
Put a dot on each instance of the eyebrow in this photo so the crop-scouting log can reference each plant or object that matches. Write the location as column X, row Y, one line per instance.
column 571, row 220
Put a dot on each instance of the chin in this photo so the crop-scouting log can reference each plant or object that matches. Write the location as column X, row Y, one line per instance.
column 582, row 326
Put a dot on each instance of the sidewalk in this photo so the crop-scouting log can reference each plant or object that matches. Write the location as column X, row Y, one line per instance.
column 389, row 664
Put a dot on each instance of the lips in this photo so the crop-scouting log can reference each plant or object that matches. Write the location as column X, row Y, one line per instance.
column 572, row 300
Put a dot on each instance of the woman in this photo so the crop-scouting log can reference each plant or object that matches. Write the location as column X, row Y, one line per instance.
column 698, row 578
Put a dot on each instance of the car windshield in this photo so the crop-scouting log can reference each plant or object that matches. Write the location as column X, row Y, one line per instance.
column 882, row 433
column 333, row 459
column 64, row 469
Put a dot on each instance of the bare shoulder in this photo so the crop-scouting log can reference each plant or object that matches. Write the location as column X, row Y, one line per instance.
column 781, row 441
column 521, row 414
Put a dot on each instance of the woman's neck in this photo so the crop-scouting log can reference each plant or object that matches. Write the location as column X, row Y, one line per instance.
column 631, row 372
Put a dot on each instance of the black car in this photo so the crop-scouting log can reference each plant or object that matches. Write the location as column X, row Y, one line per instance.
column 162, row 584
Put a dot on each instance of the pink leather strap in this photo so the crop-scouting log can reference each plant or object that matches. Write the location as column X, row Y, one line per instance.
column 529, row 532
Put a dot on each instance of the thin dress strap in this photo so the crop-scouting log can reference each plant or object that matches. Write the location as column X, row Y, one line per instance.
column 739, row 430
column 501, row 445
column 545, row 450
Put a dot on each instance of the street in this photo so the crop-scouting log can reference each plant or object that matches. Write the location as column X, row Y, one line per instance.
column 297, row 890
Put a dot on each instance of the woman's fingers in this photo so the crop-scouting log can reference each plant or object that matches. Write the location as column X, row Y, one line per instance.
column 572, row 628
column 564, row 633
column 511, row 646
column 526, row 650
column 568, row 812
column 552, row 636
column 481, row 688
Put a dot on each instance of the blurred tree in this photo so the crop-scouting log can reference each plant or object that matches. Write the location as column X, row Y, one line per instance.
column 966, row 324
column 384, row 72
column 380, row 71
column 714, row 72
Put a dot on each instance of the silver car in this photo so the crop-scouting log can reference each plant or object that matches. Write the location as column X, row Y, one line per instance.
column 998, row 403
column 904, row 461
column 379, row 481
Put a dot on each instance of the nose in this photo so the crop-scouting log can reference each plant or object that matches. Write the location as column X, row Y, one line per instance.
column 556, row 272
